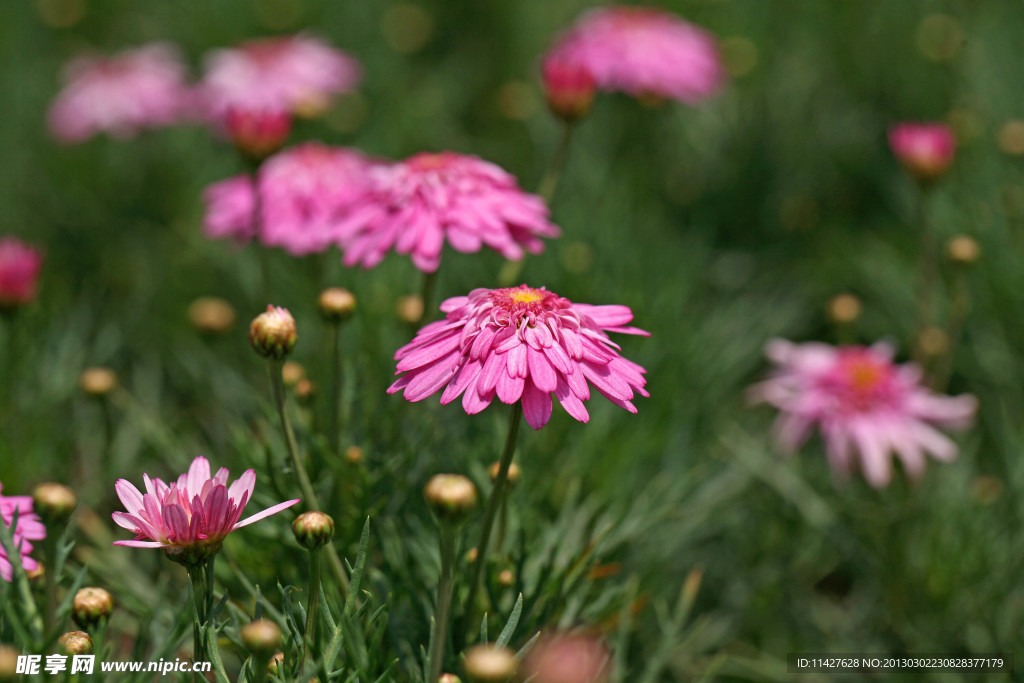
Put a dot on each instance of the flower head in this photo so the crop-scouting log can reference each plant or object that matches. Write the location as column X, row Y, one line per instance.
column 188, row 518
column 272, row 333
column 20, row 264
column 28, row 528
column 121, row 94
column 863, row 403
column 644, row 52
column 295, row 74
column 569, row 87
column 568, row 658
column 521, row 343
column 257, row 133
column 926, row 150
column 415, row 205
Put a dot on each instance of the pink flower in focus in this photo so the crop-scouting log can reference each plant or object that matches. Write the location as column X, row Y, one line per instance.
column 296, row 74
column 415, row 205
column 926, row 150
column 120, row 95
column 229, row 209
column 28, row 529
column 644, row 52
column 521, row 343
column 862, row 402
column 19, row 272
column 191, row 517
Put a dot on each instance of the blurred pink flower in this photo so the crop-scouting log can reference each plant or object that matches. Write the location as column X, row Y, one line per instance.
column 257, row 133
column 229, row 209
column 861, row 401
column 28, row 529
column 296, row 74
column 191, row 517
column 20, row 264
column 926, row 150
column 415, row 205
column 121, row 94
column 644, row 52
column 521, row 343
column 569, row 87
column 567, row 658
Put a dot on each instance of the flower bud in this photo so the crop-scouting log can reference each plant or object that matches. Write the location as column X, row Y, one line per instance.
column 75, row 643
column 210, row 315
column 354, row 454
column 273, row 333
column 410, row 309
column 53, row 502
column 471, row 555
column 91, row 606
column 305, row 390
column 933, row 341
column 926, row 150
column 506, row 578
column 257, row 133
column 97, row 381
column 9, row 663
column 292, row 373
column 569, row 87
column 276, row 664
column 262, row 637
column 450, row 496
column 489, row 664
column 843, row 309
column 513, row 473
column 313, row 529
column 20, row 265
column 963, row 250
column 449, row 678
column 36, row 577
column 575, row 658
column 337, row 304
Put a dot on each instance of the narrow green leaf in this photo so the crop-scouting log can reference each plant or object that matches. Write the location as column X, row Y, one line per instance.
column 506, row 633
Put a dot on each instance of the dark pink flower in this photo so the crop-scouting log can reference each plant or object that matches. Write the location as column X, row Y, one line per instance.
column 864, row 405
column 20, row 264
column 569, row 87
column 926, row 150
column 120, row 95
column 416, row 205
column 521, row 343
column 29, row 528
column 644, row 52
column 257, row 133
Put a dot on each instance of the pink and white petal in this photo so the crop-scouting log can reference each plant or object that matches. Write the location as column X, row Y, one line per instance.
column 272, row 510
column 243, row 486
column 129, row 495
column 141, row 544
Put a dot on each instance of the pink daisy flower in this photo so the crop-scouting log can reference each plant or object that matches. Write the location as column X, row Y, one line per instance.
column 521, row 344
column 229, row 209
column 926, row 150
column 120, row 95
column 644, row 52
column 296, row 74
column 28, row 529
column 415, row 205
column 191, row 517
column 20, row 264
column 865, row 405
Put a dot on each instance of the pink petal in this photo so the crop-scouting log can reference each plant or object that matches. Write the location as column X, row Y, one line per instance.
column 274, row 509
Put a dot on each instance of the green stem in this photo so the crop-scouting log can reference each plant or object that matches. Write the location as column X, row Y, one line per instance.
column 427, row 293
column 439, row 637
column 928, row 276
column 549, row 183
column 50, row 553
column 959, row 308
column 277, row 385
column 312, row 602
column 197, row 575
column 493, row 503
column 334, row 437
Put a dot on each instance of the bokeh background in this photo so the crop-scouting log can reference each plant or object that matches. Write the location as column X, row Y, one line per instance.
column 722, row 226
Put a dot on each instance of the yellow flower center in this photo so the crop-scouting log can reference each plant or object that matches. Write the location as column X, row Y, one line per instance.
column 525, row 296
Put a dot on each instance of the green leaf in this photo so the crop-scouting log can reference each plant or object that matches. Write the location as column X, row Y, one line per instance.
column 506, row 633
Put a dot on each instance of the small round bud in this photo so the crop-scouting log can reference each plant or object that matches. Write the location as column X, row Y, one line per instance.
column 471, row 555
column 313, row 529
column 54, row 502
column 91, row 606
column 276, row 664
column 337, row 304
column 75, row 643
column 963, row 250
column 570, row 88
column 449, row 678
column 843, row 309
column 488, row 664
column 292, row 373
column 410, row 309
column 513, row 472
column 257, row 133
column 354, row 454
column 210, row 315
column 575, row 658
column 933, row 341
column 97, row 381
column 926, row 150
column 273, row 334
column 37, row 576
column 305, row 390
column 262, row 637
column 9, row 663
column 450, row 496
column 506, row 578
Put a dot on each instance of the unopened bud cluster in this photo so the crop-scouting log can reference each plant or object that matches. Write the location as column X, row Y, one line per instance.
column 313, row 529
column 91, row 606
column 54, row 502
column 262, row 637
column 273, row 333
column 337, row 304
column 75, row 643
column 450, row 496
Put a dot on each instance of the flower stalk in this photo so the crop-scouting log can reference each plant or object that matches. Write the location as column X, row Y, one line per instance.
column 312, row 603
column 439, row 636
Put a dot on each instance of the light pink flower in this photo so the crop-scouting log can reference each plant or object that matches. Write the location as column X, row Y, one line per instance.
column 415, row 205
column 864, row 404
column 28, row 529
column 297, row 74
column 121, row 94
column 521, row 343
column 191, row 517
column 926, row 150
column 20, row 264
column 229, row 209
column 644, row 52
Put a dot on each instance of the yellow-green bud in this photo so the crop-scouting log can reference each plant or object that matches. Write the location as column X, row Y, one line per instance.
column 91, row 606
column 489, row 664
column 75, row 643
column 449, row 678
column 354, row 454
column 9, row 663
column 276, row 663
column 273, row 334
column 513, row 472
column 963, row 249
column 97, row 381
column 450, row 496
column 410, row 309
column 292, row 373
column 313, row 529
column 210, row 315
column 262, row 637
column 54, row 502
column 305, row 390
column 337, row 304
column 843, row 308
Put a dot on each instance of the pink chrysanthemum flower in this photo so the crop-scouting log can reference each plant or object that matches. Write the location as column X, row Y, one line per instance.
column 229, row 209
column 120, row 95
column 296, row 74
column 644, row 52
column 926, row 150
column 28, row 529
column 415, row 205
column 191, row 517
column 19, row 272
column 863, row 403
column 521, row 343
